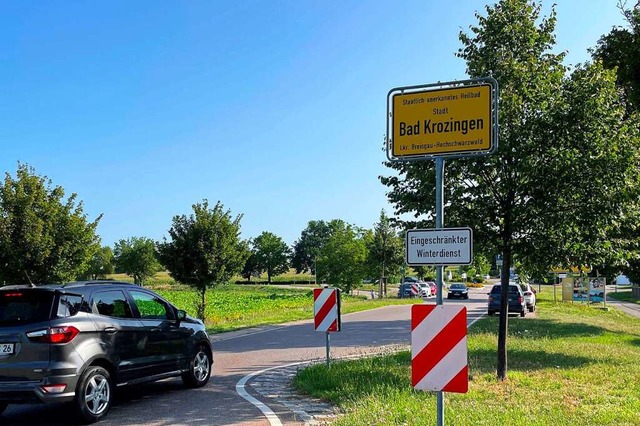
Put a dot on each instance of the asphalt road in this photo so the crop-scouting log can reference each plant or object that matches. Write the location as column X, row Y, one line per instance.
column 238, row 354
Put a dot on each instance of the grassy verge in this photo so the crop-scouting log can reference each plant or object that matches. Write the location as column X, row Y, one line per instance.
column 624, row 296
column 573, row 365
column 234, row 307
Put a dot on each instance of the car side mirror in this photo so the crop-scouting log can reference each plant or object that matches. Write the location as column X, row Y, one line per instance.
column 181, row 315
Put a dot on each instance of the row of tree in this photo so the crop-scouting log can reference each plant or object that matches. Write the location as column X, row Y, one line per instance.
column 334, row 251
column 46, row 238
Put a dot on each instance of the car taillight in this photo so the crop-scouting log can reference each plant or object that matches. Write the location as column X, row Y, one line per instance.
column 520, row 299
column 63, row 334
column 490, row 299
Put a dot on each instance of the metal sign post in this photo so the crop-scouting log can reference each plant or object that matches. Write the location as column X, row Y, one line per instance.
column 328, row 348
column 439, row 268
column 456, row 119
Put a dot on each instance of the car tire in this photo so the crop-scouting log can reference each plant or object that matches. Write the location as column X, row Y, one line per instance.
column 523, row 313
column 94, row 394
column 467, row 296
column 3, row 406
column 448, row 297
column 199, row 369
column 490, row 313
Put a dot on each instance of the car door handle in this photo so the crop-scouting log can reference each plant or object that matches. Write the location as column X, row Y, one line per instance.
column 110, row 330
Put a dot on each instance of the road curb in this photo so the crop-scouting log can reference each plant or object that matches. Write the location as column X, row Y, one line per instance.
column 275, row 383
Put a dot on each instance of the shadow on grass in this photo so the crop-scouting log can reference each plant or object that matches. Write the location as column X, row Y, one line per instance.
column 541, row 329
column 484, row 361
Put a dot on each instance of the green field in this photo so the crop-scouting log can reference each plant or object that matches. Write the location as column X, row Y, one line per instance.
column 233, row 307
column 573, row 365
column 163, row 278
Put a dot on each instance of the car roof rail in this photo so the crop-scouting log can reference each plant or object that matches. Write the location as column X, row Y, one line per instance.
column 97, row 282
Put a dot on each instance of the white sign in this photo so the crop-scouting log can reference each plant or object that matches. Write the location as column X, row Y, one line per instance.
column 450, row 246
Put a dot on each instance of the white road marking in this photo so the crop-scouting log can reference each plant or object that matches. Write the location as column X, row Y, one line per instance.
column 268, row 412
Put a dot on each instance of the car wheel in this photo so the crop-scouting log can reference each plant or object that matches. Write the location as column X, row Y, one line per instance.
column 3, row 406
column 93, row 395
column 490, row 313
column 448, row 297
column 523, row 313
column 467, row 296
column 199, row 369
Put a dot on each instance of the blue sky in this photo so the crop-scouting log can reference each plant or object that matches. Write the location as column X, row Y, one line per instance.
column 275, row 108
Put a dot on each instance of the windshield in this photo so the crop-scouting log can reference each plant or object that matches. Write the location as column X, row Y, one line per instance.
column 458, row 286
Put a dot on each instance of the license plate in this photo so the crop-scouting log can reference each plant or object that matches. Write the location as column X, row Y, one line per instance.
column 7, row 348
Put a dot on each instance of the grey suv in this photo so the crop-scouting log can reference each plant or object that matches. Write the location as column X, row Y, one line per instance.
column 77, row 342
column 515, row 303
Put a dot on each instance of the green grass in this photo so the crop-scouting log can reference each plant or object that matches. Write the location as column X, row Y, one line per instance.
column 573, row 365
column 233, row 307
column 624, row 296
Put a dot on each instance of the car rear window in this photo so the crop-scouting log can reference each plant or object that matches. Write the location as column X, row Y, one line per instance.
column 512, row 289
column 19, row 307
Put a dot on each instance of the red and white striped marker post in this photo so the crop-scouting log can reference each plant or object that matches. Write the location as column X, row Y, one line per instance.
column 439, row 348
column 415, row 289
column 326, row 312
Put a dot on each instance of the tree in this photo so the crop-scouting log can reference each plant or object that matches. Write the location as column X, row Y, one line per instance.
column 385, row 251
column 560, row 180
column 250, row 267
column 136, row 257
column 272, row 254
column 479, row 266
column 341, row 260
column 205, row 249
column 425, row 272
column 619, row 50
column 307, row 247
column 43, row 237
column 101, row 264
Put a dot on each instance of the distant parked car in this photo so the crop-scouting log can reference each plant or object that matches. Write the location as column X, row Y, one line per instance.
column 79, row 342
column 458, row 290
column 529, row 296
column 516, row 301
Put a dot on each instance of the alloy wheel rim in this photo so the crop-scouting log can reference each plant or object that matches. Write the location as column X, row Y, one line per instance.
column 97, row 394
column 201, row 366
